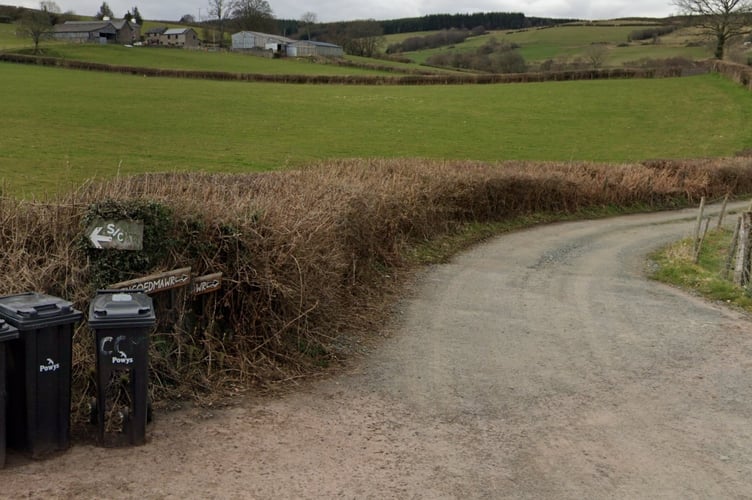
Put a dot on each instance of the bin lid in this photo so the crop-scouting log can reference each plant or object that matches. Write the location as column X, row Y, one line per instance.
column 32, row 310
column 7, row 332
column 118, row 308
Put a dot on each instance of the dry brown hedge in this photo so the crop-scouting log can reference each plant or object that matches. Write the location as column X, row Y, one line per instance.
column 305, row 254
column 738, row 73
column 418, row 79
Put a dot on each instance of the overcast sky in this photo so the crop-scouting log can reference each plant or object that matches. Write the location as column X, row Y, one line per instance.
column 343, row 10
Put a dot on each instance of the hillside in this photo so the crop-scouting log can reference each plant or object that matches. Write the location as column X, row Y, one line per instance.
column 573, row 43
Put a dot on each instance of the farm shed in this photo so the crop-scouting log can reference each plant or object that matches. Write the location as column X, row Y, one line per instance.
column 252, row 40
column 85, row 32
column 309, row 48
column 179, row 37
column 105, row 31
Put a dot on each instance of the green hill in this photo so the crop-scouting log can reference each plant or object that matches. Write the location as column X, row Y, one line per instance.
column 570, row 42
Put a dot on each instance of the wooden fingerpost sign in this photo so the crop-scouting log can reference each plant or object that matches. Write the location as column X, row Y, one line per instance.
column 206, row 284
column 155, row 283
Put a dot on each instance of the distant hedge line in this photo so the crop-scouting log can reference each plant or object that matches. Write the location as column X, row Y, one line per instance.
column 601, row 74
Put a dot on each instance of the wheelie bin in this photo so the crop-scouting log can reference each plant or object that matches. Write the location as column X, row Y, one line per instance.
column 39, row 371
column 122, row 321
column 7, row 333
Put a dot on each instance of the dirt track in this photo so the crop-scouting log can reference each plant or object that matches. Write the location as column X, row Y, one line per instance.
column 540, row 365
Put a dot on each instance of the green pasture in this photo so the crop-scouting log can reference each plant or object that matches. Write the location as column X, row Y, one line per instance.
column 61, row 127
column 8, row 38
column 571, row 41
column 619, row 56
column 171, row 58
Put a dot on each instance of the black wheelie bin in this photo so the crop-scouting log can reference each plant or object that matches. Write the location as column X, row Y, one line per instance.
column 39, row 372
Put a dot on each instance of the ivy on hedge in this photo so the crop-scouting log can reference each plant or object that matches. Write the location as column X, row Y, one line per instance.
column 111, row 266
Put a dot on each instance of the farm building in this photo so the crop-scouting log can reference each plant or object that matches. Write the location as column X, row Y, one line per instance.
column 127, row 31
column 179, row 37
column 153, row 34
column 105, row 31
column 85, row 32
column 252, row 40
column 309, row 48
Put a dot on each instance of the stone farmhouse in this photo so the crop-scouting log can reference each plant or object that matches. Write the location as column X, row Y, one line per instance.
column 173, row 37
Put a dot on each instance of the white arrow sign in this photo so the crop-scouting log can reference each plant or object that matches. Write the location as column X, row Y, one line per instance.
column 109, row 234
column 97, row 239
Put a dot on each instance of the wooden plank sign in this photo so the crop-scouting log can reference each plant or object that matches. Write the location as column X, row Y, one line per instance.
column 206, row 284
column 157, row 282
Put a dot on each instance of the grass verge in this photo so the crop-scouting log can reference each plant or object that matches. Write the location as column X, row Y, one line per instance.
column 674, row 264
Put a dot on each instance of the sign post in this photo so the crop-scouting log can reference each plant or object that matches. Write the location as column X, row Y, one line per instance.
column 157, row 282
column 107, row 234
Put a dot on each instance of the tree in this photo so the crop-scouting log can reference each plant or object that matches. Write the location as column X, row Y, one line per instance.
column 307, row 20
column 187, row 19
column 104, row 11
column 50, row 6
column 37, row 25
column 596, row 54
column 363, row 38
column 53, row 10
column 137, row 16
column 253, row 15
column 221, row 10
column 722, row 20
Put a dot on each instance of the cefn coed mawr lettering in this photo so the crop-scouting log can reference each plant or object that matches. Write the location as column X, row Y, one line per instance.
column 160, row 283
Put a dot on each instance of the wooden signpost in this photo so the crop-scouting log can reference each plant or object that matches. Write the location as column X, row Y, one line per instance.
column 155, row 283
column 206, row 284
column 169, row 280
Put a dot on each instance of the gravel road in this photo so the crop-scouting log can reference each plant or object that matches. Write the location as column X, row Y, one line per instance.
column 542, row 364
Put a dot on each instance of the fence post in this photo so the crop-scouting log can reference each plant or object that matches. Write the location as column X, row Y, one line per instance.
column 702, row 240
column 698, row 226
column 741, row 274
column 732, row 247
column 723, row 211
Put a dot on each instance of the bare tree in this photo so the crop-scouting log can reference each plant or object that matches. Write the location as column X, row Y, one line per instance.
column 221, row 11
column 722, row 20
column 596, row 54
column 37, row 25
column 307, row 20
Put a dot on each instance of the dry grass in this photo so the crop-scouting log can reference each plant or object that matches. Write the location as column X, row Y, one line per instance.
column 308, row 256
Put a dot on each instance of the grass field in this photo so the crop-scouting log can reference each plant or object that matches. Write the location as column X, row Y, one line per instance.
column 61, row 127
column 8, row 38
column 166, row 58
column 567, row 42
